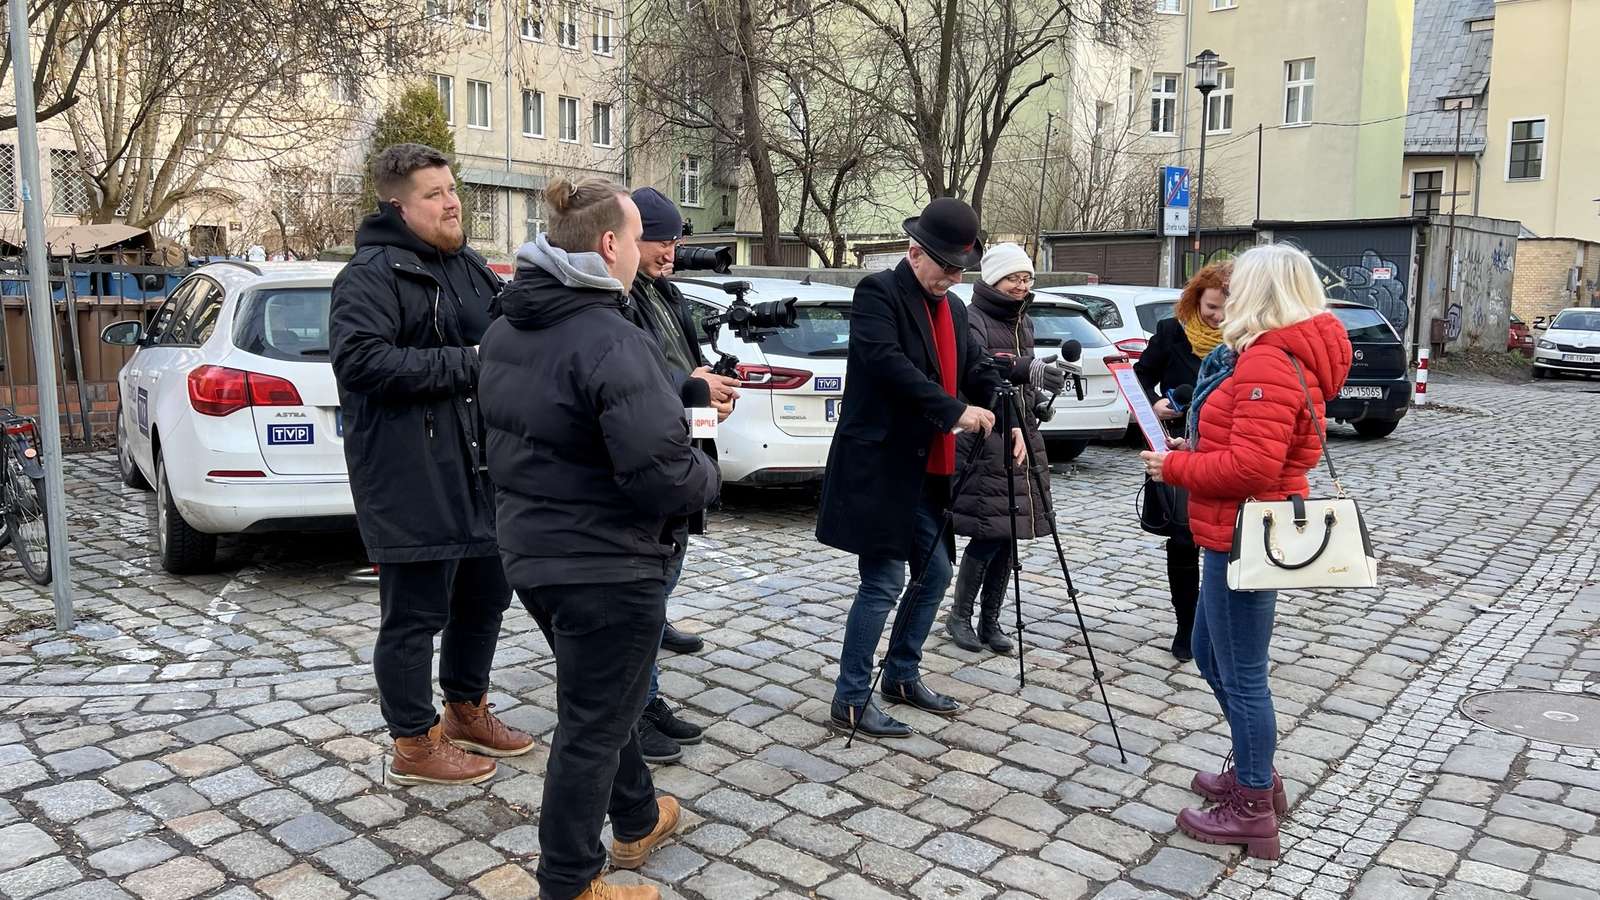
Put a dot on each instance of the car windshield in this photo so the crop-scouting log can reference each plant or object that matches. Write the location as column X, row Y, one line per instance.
column 1151, row 313
column 1578, row 320
column 285, row 323
column 1055, row 325
column 1366, row 324
column 822, row 331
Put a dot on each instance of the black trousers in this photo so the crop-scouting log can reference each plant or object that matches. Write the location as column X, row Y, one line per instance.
column 604, row 637
column 463, row 598
column 1183, row 580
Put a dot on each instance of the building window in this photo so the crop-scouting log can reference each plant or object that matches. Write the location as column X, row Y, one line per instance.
column 602, row 31
column 1527, row 150
column 726, row 206
column 1163, row 104
column 478, row 15
column 1223, row 4
column 689, row 181
column 1172, row 7
column 480, row 206
column 346, row 89
column 601, row 125
column 1300, row 85
column 8, row 177
column 567, row 26
column 68, row 184
column 532, row 26
column 568, row 110
column 1219, row 105
column 478, row 115
column 1426, row 190
column 1133, row 95
column 208, row 134
column 438, row 9
column 533, row 114
column 445, row 87
column 532, row 215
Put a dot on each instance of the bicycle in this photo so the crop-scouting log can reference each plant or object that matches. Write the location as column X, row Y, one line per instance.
column 22, row 506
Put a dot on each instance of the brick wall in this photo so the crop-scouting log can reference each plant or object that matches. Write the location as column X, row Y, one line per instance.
column 102, row 411
column 1544, row 267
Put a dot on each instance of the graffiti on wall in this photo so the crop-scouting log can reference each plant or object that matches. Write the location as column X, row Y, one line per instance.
column 1452, row 323
column 1373, row 281
column 1481, row 279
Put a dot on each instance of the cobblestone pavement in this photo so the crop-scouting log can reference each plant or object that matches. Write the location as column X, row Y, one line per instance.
column 219, row 736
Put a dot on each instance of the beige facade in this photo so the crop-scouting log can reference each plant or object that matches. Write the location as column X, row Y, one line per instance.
column 1544, row 122
column 1431, row 185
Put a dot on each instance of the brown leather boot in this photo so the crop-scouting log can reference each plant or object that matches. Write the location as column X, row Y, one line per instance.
column 632, row 854
column 1215, row 786
column 600, row 890
column 430, row 759
column 471, row 726
column 1244, row 817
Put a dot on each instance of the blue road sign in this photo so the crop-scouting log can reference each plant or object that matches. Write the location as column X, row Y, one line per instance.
column 1175, row 186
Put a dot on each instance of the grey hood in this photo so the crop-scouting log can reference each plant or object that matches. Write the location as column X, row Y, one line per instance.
column 576, row 270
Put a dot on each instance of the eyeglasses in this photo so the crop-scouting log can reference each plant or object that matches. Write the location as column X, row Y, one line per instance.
column 1019, row 278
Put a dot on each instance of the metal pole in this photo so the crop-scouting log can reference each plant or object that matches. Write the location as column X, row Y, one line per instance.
column 1038, row 206
column 1200, row 189
column 1260, row 144
column 1450, row 242
column 39, row 301
column 71, row 293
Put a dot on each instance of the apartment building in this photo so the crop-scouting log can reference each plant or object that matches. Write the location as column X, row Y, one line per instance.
column 1447, row 124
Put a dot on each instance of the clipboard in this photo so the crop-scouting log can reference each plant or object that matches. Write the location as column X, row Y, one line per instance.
column 1143, row 413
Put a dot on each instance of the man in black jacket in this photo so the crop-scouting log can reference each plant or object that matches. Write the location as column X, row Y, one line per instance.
column 407, row 314
column 888, row 479
column 656, row 305
column 597, row 477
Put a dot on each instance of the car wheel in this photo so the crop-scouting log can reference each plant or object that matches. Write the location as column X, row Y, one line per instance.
column 1540, row 373
column 183, row 550
column 1066, row 451
column 1372, row 429
column 131, row 476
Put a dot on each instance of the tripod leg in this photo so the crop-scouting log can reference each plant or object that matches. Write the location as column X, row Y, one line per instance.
column 1007, row 409
column 1072, row 593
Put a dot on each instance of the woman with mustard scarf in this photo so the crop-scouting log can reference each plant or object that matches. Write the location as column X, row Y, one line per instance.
column 1170, row 366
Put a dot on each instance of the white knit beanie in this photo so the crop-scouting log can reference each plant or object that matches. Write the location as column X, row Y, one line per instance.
column 1001, row 260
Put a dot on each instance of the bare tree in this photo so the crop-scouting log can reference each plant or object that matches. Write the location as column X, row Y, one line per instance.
column 65, row 35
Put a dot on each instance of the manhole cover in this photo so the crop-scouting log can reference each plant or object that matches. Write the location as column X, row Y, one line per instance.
column 1551, row 716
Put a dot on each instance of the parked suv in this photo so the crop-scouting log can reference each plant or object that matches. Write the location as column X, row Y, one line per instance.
column 229, row 408
column 1377, row 394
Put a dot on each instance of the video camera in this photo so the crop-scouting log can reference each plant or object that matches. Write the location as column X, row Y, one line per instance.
column 717, row 259
column 1070, row 360
column 750, row 322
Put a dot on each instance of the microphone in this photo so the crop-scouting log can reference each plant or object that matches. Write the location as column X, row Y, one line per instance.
column 1071, row 351
column 698, row 410
column 1180, row 397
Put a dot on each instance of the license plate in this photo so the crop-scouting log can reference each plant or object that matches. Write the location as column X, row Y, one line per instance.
column 832, row 407
column 278, row 435
column 1578, row 357
column 1361, row 392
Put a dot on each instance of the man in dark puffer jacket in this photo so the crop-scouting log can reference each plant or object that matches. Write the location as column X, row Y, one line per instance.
column 588, row 444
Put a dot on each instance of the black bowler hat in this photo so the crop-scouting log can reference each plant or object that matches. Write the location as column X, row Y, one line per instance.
column 948, row 230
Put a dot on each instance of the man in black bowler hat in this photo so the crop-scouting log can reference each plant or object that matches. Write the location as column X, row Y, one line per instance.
column 890, row 465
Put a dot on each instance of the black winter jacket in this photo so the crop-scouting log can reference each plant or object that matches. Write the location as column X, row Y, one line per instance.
column 1167, row 362
column 680, row 333
column 999, row 324
column 587, row 441
column 894, row 405
column 407, row 374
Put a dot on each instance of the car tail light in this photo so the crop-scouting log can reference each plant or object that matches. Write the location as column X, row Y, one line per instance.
column 1133, row 347
column 220, row 391
column 772, row 378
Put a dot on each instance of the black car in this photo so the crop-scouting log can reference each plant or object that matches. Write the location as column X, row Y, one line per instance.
column 1377, row 394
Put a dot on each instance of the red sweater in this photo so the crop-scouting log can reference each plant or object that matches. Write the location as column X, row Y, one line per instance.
column 942, row 453
column 1256, row 438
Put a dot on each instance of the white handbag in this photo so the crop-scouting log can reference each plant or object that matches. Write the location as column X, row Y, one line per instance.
column 1299, row 543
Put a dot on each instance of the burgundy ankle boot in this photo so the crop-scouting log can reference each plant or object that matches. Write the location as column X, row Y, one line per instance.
column 1245, row 817
column 1216, row 786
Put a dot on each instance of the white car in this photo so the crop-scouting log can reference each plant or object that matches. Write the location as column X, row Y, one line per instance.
column 230, row 409
column 1571, row 344
column 1126, row 313
column 791, row 384
column 1102, row 414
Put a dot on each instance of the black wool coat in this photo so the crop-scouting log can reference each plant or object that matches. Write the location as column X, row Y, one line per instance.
column 999, row 324
column 894, row 406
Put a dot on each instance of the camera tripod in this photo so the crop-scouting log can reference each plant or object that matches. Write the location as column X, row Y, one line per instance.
column 1008, row 411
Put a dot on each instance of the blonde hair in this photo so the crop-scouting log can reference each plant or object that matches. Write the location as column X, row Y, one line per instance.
column 1273, row 286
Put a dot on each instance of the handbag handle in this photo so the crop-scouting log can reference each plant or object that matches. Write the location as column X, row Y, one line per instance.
column 1316, row 423
column 1266, row 540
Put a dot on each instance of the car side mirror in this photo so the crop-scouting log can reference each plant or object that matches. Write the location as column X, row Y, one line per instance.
column 122, row 334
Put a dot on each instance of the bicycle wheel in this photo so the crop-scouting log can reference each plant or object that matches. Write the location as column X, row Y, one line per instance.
column 24, row 515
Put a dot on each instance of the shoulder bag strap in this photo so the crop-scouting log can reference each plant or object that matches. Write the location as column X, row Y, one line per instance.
column 1316, row 423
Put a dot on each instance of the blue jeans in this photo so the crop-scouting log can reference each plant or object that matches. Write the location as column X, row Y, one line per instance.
column 882, row 580
column 1232, row 631
column 673, row 575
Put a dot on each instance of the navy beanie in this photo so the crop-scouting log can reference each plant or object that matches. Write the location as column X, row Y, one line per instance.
column 662, row 221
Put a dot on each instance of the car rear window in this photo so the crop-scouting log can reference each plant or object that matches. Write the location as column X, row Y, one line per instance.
column 286, row 323
column 1055, row 325
column 1578, row 320
column 1152, row 313
column 1366, row 324
column 1102, row 312
column 822, row 330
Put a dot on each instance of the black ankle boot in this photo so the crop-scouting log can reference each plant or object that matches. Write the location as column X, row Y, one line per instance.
column 1183, row 579
column 989, row 624
column 958, row 623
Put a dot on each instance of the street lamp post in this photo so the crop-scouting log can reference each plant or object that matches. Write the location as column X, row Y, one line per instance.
column 1205, row 65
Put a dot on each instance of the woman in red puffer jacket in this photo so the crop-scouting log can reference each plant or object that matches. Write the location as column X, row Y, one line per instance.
column 1250, row 435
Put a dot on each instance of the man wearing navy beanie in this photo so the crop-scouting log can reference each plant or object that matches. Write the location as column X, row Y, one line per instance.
column 656, row 305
